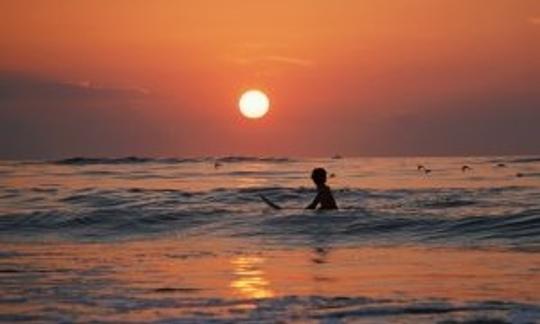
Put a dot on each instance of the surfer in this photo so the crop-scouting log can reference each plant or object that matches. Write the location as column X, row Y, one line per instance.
column 324, row 194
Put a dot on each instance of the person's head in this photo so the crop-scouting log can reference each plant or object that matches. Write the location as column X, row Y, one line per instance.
column 318, row 175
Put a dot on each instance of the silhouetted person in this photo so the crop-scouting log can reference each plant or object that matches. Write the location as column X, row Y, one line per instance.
column 324, row 194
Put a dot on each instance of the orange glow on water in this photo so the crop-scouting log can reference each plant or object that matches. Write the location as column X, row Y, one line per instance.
column 375, row 272
column 250, row 279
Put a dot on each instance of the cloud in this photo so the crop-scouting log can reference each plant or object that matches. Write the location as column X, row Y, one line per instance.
column 20, row 86
column 289, row 60
column 97, row 87
column 500, row 125
column 260, row 53
column 257, row 46
column 45, row 118
column 284, row 60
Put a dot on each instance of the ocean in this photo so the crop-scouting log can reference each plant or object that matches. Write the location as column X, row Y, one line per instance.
column 189, row 240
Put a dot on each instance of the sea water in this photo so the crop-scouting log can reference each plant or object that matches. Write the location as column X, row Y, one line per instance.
column 189, row 240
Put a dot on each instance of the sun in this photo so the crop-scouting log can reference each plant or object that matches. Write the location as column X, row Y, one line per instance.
column 254, row 104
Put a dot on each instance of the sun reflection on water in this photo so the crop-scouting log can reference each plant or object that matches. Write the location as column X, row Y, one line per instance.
column 250, row 280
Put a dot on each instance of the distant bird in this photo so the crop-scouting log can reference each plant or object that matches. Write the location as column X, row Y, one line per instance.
column 501, row 165
column 332, row 175
column 337, row 157
column 465, row 168
column 217, row 165
column 427, row 171
column 420, row 167
column 519, row 175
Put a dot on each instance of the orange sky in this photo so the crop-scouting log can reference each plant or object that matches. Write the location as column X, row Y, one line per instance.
column 349, row 76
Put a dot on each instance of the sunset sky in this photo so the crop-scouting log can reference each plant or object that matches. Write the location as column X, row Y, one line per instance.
column 355, row 77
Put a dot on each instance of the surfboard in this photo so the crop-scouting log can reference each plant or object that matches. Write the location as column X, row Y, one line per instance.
column 269, row 203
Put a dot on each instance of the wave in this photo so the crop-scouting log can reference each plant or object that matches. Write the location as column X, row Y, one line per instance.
column 190, row 308
column 124, row 160
column 528, row 174
column 526, row 160
column 518, row 160
column 520, row 229
column 139, row 160
column 366, row 217
column 237, row 159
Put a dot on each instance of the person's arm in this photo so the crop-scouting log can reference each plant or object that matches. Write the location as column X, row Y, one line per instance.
column 315, row 201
